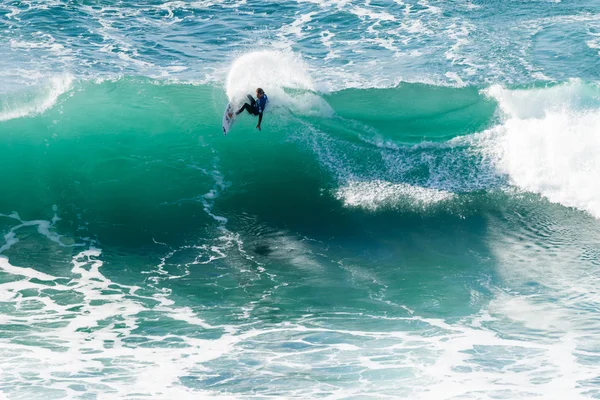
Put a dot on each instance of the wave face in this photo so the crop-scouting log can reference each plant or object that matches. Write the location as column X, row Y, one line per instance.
column 363, row 247
column 418, row 218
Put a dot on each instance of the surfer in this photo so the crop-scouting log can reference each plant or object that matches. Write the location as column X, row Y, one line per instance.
column 255, row 107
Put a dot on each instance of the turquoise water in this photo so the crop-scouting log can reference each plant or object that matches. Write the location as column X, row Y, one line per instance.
column 418, row 217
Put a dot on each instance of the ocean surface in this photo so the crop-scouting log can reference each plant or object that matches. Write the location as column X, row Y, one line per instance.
column 419, row 217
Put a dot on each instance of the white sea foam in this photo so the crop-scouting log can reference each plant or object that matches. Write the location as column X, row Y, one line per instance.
column 326, row 39
column 376, row 194
column 284, row 76
column 88, row 333
column 407, row 41
column 549, row 142
column 50, row 45
column 79, row 335
column 79, row 322
column 269, row 68
column 34, row 100
column 372, row 14
column 295, row 28
column 378, row 173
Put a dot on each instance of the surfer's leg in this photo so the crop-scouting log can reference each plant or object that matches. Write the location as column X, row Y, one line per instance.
column 250, row 107
column 246, row 106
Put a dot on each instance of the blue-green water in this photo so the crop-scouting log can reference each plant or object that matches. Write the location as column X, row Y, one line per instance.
column 418, row 217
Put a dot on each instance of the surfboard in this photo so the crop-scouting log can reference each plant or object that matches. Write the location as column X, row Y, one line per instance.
column 227, row 122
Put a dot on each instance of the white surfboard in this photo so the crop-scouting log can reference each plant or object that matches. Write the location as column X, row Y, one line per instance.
column 227, row 122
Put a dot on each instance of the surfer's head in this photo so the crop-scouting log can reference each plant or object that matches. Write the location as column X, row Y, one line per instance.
column 260, row 92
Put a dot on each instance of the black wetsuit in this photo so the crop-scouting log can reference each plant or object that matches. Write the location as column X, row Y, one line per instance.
column 255, row 107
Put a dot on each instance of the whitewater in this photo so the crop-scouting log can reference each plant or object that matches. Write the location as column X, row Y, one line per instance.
column 419, row 217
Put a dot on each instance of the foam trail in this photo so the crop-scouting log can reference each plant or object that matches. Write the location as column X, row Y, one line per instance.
column 37, row 101
column 275, row 72
column 549, row 142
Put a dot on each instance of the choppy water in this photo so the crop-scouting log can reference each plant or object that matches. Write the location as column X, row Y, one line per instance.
column 417, row 219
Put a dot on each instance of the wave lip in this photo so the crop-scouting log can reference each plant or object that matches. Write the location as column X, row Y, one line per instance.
column 549, row 142
column 36, row 101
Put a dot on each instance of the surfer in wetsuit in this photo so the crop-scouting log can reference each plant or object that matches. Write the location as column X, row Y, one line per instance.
column 255, row 107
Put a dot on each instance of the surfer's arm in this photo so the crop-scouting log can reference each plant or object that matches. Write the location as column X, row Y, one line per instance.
column 262, row 103
column 259, row 120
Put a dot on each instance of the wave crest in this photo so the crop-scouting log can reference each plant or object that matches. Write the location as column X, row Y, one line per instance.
column 35, row 101
column 549, row 142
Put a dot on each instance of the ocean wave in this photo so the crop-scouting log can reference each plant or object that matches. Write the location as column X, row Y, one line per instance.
column 415, row 141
